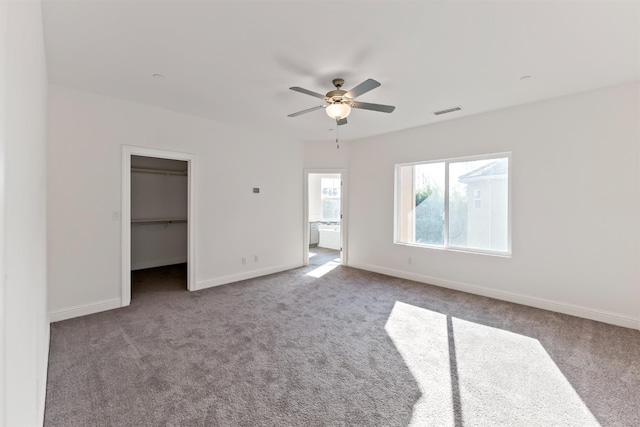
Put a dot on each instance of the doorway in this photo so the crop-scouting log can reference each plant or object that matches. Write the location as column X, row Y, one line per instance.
column 157, row 220
column 324, row 216
column 158, row 225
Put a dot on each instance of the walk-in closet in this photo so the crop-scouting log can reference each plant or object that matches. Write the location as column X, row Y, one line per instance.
column 159, row 232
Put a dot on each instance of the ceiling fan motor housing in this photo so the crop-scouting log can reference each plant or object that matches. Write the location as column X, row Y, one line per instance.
column 337, row 96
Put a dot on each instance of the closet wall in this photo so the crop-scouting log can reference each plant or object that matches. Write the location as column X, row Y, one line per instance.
column 159, row 196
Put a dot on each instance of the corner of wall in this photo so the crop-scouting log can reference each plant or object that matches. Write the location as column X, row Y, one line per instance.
column 84, row 309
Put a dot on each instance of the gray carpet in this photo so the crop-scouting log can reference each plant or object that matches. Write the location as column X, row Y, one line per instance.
column 347, row 348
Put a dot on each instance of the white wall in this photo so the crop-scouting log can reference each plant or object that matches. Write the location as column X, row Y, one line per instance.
column 86, row 132
column 575, row 204
column 315, row 197
column 158, row 196
column 23, row 119
column 325, row 155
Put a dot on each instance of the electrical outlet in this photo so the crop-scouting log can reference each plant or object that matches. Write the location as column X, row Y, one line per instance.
column 255, row 258
column 115, row 215
column 244, row 260
column 409, row 260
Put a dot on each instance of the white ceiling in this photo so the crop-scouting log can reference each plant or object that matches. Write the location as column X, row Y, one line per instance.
column 233, row 61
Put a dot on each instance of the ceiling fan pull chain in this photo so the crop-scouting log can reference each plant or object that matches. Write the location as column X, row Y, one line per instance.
column 337, row 132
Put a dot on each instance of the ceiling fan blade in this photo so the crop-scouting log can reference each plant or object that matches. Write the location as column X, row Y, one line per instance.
column 374, row 107
column 308, row 110
column 363, row 87
column 307, row 92
column 341, row 122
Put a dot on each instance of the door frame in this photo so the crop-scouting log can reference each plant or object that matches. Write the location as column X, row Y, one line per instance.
column 127, row 152
column 344, row 207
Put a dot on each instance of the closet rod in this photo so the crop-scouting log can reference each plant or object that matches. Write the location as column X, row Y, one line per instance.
column 157, row 221
column 159, row 171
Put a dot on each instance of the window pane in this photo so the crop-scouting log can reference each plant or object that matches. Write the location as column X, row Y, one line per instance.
column 421, row 204
column 331, row 209
column 330, row 195
column 429, row 203
column 478, row 204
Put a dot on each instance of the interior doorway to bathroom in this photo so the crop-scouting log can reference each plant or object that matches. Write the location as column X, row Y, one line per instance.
column 325, row 217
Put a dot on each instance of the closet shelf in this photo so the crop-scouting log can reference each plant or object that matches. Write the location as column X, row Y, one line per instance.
column 159, row 171
column 157, row 221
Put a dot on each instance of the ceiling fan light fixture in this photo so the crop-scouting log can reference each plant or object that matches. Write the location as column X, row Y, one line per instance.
column 338, row 103
column 338, row 111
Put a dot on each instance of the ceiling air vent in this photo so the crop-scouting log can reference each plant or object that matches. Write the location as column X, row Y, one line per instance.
column 448, row 110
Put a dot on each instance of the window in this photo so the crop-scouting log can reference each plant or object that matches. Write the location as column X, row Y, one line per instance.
column 330, row 194
column 455, row 204
column 477, row 199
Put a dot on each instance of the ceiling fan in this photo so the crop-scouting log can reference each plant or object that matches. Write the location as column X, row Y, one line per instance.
column 338, row 103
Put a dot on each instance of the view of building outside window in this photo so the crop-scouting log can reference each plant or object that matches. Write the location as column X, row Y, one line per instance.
column 478, row 204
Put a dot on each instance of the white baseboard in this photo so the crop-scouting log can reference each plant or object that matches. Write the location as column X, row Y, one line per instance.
column 157, row 263
column 110, row 304
column 204, row 284
column 83, row 310
column 560, row 307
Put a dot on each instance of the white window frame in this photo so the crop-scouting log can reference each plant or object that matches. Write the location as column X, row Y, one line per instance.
column 446, row 246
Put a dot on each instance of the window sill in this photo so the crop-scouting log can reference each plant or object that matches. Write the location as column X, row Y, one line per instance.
column 457, row 249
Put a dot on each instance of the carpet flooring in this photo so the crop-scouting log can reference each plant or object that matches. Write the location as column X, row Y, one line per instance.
column 343, row 348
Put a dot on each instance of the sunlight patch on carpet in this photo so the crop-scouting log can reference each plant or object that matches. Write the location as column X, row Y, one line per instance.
column 324, row 268
column 471, row 374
